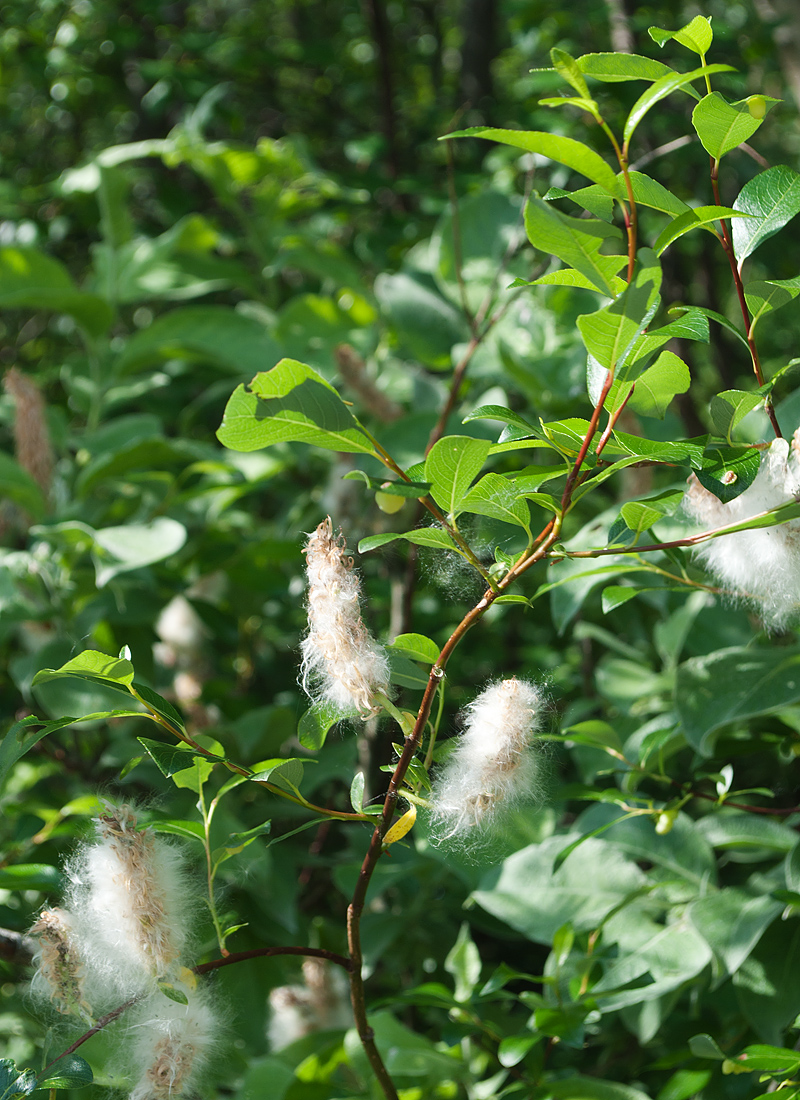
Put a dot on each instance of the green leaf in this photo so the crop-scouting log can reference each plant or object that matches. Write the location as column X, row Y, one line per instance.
column 520, row 428
column 568, row 276
column 525, row 892
column 135, row 545
column 736, row 831
column 499, row 498
column 31, row 280
column 30, row 876
column 316, row 723
column 464, row 963
column 451, row 466
column 190, row 830
column 18, row 487
column 564, row 150
column 663, row 87
column 592, row 1088
column 411, row 489
column 173, row 993
column 610, row 333
column 698, row 218
column 649, row 192
column 662, row 960
column 92, row 665
column 682, row 452
column 728, row 471
column 513, row 1048
column 722, row 126
column 614, row 67
column 593, row 198
column 696, row 35
column 291, row 402
column 170, row 759
column 640, row 515
column 418, row 647
column 237, row 842
column 730, row 407
column 284, row 772
column 703, row 1046
column 422, row 536
column 208, row 333
column 692, row 313
column 357, row 793
column 160, row 705
column 14, row 1082
column 732, row 922
column 426, row 325
column 733, row 685
column 772, row 198
column 575, row 241
column 568, row 68
column 70, row 1072
column 768, row 1059
column 763, row 297
column 656, row 387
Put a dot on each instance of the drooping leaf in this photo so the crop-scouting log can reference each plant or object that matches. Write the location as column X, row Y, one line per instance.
column 316, row 723
column 772, row 198
column 420, row 536
column 574, row 154
column 418, row 647
column 171, row 759
column 575, row 241
column 70, row 1072
column 291, row 402
column 610, row 333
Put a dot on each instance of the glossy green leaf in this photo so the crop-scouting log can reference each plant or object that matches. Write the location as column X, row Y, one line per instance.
column 568, row 276
column 418, row 647
column 291, row 402
column 722, row 126
column 30, row 876
column 160, row 705
column 663, row 87
column 70, row 1072
column 170, row 759
column 730, row 407
column 567, row 67
column 410, row 489
column 765, row 296
column 728, row 471
column 357, row 793
column 697, row 35
column 689, row 313
column 315, row 725
column 499, row 498
column 656, row 387
column 451, row 466
column 593, row 198
column 732, row 685
column 92, row 665
column 614, row 67
column 14, row 1082
column 769, row 1059
column 610, row 333
column 576, row 242
column 698, row 218
column 639, row 515
column 574, row 154
column 772, row 198
column 31, row 280
column 421, row 536
column 649, row 192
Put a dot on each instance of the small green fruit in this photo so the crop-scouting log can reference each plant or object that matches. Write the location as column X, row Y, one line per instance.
column 388, row 502
column 757, row 106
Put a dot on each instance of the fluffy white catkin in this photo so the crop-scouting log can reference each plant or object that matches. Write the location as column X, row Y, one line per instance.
column 129, row 894
column 494, row 764
column 172, row 1046
column 342, row 663
column 763, row 565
